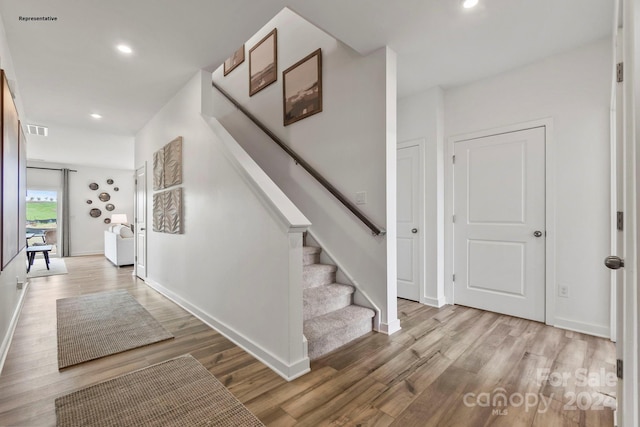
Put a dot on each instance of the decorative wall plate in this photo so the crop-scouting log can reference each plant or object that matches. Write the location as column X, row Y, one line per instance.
column 104, row 197
column 116, row 189
column 94, row 186
column 109, row 181
column 109, row 207
column 107, row 220
column 89, row 201
column 95, row 213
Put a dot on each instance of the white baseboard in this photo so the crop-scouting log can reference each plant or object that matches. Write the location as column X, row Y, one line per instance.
column 6, row 342
column 286, row 371
column 434, row 302
column 582, row 327
column 86, row 253
column 390, row 328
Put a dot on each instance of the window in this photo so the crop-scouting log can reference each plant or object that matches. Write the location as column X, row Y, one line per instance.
column 42, row 213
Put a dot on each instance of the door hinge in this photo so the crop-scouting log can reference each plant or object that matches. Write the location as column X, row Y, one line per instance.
column 619, row 72
column 135, row 258
column 453, row 218
column 453, row 159
column 619, row 368
column 454, row 278
column 620, row 221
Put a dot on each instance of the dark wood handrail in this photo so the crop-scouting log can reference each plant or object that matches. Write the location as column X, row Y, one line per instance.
column 377, row 231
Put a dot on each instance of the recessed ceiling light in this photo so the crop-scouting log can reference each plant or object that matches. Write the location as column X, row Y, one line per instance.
column 124, row 48
column 468, row 4
column 96, row 116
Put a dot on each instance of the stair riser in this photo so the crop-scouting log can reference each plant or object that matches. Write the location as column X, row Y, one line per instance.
column 338, row 338
column 313, row 278
column 313, row 308
column 309, row 259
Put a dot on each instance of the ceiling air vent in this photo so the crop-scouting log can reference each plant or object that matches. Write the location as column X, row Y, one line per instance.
column 37, row 130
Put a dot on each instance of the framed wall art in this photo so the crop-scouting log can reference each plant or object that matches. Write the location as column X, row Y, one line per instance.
column 302, row 88
column 234, row 60
column 263, row 63
column 11, row 235
column 22, row 188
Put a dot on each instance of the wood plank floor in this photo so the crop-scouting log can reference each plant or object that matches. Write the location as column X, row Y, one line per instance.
column 446, row 367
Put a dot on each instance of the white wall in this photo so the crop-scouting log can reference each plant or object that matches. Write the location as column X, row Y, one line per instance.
column 348, row 143
column 86, row 232
column 82, row 147
column 420, row 116
column 235, row 266
column 10, row 296
column 574, row 90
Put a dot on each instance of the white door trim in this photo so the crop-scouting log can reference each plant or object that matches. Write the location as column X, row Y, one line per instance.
column 550, row 208
column 422, row 222
column 135, row 220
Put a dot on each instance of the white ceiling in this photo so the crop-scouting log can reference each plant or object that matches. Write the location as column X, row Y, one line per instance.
column 69, row 68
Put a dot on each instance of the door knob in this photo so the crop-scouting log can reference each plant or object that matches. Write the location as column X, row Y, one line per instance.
column 414, row 230
column 537, row 233
column 614, row 262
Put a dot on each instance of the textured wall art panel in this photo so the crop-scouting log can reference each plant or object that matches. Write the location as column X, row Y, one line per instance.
column 173, row 211
column 167, row 165
column 167, row 211
column 158, row 212
column 158, row 169
column 173, row 163
column 167, row 172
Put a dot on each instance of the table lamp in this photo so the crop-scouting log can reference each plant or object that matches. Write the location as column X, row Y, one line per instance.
column 119, row 219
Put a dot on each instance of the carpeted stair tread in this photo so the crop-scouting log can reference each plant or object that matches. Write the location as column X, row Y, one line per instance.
column 318, row 274
column 331, row 323
column 323, row 299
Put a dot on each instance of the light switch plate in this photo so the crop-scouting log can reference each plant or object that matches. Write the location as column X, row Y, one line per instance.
column 563, row 291
column 361, row 197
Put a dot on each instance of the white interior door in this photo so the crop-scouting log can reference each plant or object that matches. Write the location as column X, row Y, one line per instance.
column 618, row 211
column 409, row 234
column 617, row 197
column 141, row 222
column 499, row 223
column 628, row 298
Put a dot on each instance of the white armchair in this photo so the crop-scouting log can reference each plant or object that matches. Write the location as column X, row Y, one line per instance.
column 119, row 245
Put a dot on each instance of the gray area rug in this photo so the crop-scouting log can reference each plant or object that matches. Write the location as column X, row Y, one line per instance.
column 178, row 392
column 39, row 268
column 97, row 325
